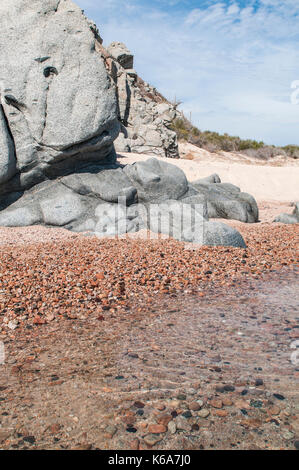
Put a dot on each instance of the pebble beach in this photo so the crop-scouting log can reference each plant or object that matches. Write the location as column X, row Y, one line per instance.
column 148, row 344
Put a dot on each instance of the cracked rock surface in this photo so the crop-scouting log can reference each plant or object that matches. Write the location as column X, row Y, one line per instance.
column 58, row 104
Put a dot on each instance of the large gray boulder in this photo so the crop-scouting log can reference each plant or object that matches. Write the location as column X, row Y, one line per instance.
column 107, row 185
column 175, row 219
column 187, row 223
column 152, row 195
column 157, row 180
column 58, row 104
column 289, row 218
column 225, row 200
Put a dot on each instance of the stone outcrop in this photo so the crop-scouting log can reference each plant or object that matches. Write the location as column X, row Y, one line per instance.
column 145, row 115
column 289, row 218
column 63, row 97
column 58, row 106
column 226, row 201
column 147, row 195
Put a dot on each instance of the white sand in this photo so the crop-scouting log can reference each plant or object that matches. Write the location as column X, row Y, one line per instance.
column 265, row 182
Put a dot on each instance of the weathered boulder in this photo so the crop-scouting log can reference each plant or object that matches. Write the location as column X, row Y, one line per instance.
column 225, row 200
column 187, row 223
column 108, row 185
column 219, row 234
column 58, row 105
column 214, row 178
column 157, row 180
column 114, row 220
column 289, row 218
column 151, row 194
column 175, row 219
column 48, row 203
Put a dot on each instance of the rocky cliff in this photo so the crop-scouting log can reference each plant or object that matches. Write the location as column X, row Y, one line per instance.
column 145, row 115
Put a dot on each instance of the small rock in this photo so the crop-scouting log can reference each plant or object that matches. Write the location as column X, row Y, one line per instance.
column 187, row 414
column 274, row 410
column 82, row 447
column 110, row 431
column 4, row 435
column 134, row 445
column 195, row 406
column 242, row 404
column 221, row 413
column 13, row 324
column 288, row 435
column 216, row 403
column 181, row 396
column 278, row 396
column 152, row 439
column 182, row 424
column 157, row 428
column 259, row 382
column 256, row 403
column 131, row 429
column 172, row 427
column 229, row 388
column 54, row 428
column 161, row 407
column 139, row 404
column 204, row 413
column 296, row 444
column 29, row 439
column 227, row 402
column 164, row 419
column 50, row 317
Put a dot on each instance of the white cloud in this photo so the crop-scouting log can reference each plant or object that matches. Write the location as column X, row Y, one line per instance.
column 231, row 66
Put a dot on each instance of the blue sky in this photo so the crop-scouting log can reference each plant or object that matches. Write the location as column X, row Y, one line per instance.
column 230, row 62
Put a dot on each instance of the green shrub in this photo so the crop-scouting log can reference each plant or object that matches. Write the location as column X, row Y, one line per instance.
column 213, row 141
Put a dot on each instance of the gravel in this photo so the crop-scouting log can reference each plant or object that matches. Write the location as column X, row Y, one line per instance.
column 75, row 277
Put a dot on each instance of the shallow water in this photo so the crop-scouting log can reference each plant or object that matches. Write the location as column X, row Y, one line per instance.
column 239, row 331
column 87, row 375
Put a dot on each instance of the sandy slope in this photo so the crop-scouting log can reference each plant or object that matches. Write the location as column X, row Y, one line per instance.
column 265, row 182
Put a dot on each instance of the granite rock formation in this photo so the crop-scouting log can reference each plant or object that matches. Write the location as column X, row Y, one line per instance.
column 149, row 195
column 58, row 107
column 289, row 218
column 226, row 201
column 62, row 99
column 145, row 115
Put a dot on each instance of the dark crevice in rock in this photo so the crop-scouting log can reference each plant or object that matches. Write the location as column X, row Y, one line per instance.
column 57, row 6
column 50, row 71
column 46, row 113
column 12, row 101
column 42, row 59
column 9, row 130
